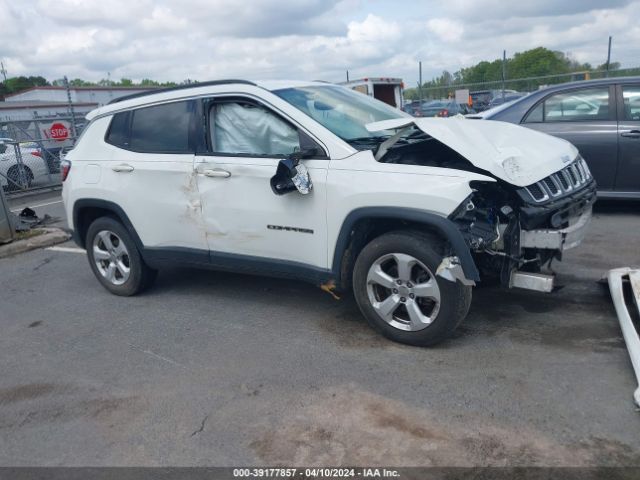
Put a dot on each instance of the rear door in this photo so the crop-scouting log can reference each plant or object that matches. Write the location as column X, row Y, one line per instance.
column 150, row 175
column 628, row 175
column 586, row 117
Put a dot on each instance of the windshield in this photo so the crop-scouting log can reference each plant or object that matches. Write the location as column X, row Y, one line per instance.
column 341, row 110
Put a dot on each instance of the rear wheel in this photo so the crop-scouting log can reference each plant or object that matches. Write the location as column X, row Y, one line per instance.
column 115, row 259
column 399, row 294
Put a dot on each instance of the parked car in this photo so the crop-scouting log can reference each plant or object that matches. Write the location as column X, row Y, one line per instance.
column 15, row 174
column 444, row 108
column 413, row 109
column 481, row 99
column 316, row 182
column 600, row 117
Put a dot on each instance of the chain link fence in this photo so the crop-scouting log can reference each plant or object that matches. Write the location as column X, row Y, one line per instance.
column 31, row 152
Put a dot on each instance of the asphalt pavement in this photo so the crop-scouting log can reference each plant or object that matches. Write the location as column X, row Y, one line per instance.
column 222, row 369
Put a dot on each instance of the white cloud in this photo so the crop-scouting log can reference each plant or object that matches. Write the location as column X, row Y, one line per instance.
column 311, row 39
column 446, row 29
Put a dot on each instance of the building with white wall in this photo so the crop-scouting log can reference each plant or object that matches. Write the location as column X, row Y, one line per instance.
column 95, row 95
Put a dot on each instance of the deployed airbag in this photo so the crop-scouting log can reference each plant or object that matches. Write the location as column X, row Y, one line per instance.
column 250, row 129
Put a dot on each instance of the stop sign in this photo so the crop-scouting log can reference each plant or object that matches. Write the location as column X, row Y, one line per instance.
column 59, row 132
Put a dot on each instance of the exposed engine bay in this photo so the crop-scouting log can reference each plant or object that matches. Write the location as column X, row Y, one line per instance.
column 514, row 233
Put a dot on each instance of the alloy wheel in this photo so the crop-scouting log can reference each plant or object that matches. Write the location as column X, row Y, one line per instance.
column 403, row 291
column 111, row 257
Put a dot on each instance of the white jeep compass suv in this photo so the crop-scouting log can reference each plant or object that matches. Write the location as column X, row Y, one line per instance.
column 316, row 182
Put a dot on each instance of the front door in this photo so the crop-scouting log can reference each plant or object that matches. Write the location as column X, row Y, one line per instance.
column 244, row 219
column 628, row 175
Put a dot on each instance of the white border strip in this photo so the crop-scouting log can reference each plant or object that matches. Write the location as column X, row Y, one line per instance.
column 626, row 324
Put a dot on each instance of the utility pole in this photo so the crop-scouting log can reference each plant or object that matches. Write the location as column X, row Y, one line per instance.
column 608, row 56
column 71, row 111
column 504, row 71
column 420, row 81
column 3, row 71
column 347, row 75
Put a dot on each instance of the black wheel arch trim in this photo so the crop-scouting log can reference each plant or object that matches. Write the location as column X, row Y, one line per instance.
column 114, row 208
column 442, row 224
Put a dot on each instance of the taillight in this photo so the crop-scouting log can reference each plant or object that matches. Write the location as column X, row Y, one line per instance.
column 65, row 168
column 36, row 153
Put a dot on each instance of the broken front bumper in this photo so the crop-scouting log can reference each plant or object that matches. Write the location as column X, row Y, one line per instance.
column 562, row 239
column 626, row 323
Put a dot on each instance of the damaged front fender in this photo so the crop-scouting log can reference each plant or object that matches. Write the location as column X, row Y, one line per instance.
column 451, row 269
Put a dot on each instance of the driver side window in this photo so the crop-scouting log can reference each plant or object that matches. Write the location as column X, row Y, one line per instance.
column 244, row 128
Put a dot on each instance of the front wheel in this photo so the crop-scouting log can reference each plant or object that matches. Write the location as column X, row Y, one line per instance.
column 396, row 288
column 115, row 259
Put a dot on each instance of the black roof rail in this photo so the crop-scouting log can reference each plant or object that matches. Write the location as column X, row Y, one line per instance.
column 179, row 87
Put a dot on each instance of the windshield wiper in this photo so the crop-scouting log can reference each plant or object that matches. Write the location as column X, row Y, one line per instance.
column 365, row 143
column 368, row 140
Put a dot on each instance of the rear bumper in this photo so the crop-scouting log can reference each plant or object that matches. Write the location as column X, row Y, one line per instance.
column 561, row 239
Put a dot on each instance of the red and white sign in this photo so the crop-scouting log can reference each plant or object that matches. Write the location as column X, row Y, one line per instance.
column 58, row 132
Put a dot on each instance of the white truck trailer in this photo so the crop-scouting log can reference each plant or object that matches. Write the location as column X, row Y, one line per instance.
column 389, row 90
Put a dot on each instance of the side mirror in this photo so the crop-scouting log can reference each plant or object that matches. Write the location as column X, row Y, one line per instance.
column 292, row 175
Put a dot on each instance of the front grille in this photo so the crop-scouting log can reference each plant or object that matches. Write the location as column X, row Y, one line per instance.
column 551, row 186
column 537, row 192
column 564, row 181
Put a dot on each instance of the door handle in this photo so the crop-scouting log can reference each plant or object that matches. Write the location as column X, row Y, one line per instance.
column 631, row 134
column 122, row 168
column 216, row 173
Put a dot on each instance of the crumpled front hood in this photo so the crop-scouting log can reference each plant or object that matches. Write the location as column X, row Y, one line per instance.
column 515, row 154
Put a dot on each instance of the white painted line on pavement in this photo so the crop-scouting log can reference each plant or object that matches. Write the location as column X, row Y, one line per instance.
column 66, row 249
column 35, row 206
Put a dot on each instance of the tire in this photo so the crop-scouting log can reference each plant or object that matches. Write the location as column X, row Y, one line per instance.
column 115, row 259
column 424, row 308
column 22, row 177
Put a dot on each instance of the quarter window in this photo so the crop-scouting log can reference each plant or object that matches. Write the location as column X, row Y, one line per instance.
column 162, row 128
column 573, row 106
column 118, row 134
column 631, row 98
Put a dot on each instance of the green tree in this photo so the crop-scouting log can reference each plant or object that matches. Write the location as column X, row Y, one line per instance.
column 16, row 84
column 554, row 66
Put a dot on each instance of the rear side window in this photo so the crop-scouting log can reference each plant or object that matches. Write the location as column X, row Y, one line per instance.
column 573, row 106
column 163, row 128
column 160, row 129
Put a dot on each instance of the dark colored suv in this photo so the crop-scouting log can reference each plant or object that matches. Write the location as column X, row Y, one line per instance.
column 600, row 117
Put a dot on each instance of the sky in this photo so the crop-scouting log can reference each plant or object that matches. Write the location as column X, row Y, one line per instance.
column 174, row 40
